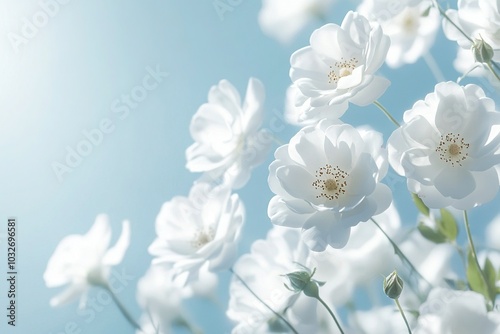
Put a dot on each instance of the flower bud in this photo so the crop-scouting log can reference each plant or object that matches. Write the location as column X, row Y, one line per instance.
column 482, row 51
column 301, row 281
column 393, row 285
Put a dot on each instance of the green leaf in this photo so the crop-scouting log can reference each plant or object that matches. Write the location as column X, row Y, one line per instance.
column 447, row 225
column 430, row 234
column 474, row 277
column 420, row 204
column 426, row 12
column 490, row 275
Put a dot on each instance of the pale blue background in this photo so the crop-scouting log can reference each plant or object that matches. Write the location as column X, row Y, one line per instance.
column 63, row 82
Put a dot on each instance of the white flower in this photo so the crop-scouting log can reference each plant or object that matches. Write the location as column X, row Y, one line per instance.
column 411, row 34
column 367, row 254
column 161, row 297
column 283, row 19
column 262, row 271
column 447, row 147
column 326, row 180
column 297, row 107
column 339, row 66
column 383, row 10
column 478, row 19
column 228, row 142
column 456, row 312
column 378, row 320
column 199, row 231
column 85, row 260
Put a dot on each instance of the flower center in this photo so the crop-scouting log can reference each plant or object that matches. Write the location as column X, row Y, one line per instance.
column 331, row 182
column 202, row 237
column 342, row 68
column 453, row 149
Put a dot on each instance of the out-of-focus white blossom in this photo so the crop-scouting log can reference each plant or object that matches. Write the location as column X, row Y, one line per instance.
column 81, row 261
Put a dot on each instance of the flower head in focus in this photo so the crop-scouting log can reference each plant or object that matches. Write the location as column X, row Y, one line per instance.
column 200, row 231
column 448, row 147
column 326, row 180
column 81, row 261
column 479, row 20
column 411, row 32
column 227, row 135
column 283, row 19
column 339, row 66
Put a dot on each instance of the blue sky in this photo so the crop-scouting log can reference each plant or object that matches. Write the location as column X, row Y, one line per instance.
column 72, row 75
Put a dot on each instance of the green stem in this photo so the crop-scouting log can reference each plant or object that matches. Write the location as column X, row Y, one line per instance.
column 381, row 107
column 264, row 303
column 400, row 253
column 472, row 248
column 122, row 308
column 331, row 313
column 492, row 70
column 403, row 315
column 443, row 13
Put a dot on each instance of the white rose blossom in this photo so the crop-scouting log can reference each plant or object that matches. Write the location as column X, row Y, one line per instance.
column 228, row 140
column 339, row 67
column 327, row 180
column 200, row 231
column 478, row 19
column 456, row 312
column 81, row 261
column 448, row 148
column 411, row 33
column 283, row 19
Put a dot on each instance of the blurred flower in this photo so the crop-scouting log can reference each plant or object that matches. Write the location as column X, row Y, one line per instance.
column 366, row 255
column 228, row 142
column 339, row 66
column 161, row 297
column 262, row 270
column 456, row 312
column 478, row 19
column 378, row 320
column 283, row 19
column 411, row 33
column 326, row 180
column 384, row 10
column 297, row 107
column 85, row 260
column 201, row 230
column 447, row 147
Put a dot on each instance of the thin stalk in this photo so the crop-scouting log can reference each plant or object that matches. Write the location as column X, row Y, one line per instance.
column 443, row 13
column 264, row 303
column 403, row 315
column 433, row 66
column 122, row 309
column 492, row 70
column 387, row 113
column 472, row 248
column 331, row 314
column 400, row 253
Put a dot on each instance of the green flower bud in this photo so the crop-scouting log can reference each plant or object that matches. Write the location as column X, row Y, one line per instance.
column 301, row 281
column 393, row 285
column 482, row 51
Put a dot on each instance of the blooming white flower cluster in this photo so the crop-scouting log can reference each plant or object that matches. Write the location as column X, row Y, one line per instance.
column 335, row 228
